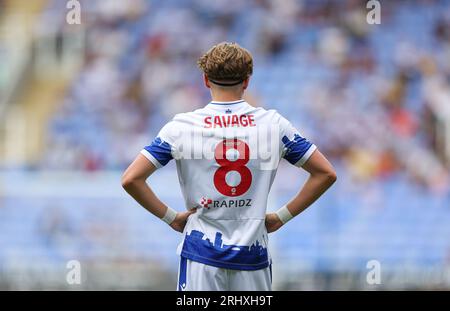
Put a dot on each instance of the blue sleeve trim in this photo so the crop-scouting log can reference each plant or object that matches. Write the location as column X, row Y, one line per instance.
column 160, row 150
column 295, row 148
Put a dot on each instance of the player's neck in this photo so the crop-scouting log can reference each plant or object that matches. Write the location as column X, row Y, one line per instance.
column 225, row 97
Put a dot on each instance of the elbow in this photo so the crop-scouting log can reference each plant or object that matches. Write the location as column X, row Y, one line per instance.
column 331, row 176
column 127, row 182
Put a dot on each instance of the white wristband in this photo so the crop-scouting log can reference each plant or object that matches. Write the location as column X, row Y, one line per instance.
column 284, row 214
column 170, row 215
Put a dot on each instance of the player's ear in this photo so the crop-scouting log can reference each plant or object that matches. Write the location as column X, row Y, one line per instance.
column 246, row 82
column 206, row 81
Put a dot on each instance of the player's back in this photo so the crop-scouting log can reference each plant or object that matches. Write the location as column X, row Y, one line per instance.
column 227, row 154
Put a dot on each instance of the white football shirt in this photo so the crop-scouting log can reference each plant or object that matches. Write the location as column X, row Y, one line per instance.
column 227, row 155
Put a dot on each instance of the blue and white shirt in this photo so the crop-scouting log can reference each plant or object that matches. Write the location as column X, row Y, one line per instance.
column 227, row 155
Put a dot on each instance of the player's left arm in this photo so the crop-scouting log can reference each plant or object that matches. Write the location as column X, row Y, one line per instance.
column 134, row 181
column 321, row 176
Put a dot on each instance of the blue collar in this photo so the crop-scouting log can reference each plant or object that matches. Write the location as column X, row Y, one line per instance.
column 227, row 103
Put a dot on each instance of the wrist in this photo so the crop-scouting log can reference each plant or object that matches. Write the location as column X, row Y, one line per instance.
column 169, row 216
column 283, row 214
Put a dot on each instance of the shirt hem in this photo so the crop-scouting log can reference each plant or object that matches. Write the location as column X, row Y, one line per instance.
column 223, row 264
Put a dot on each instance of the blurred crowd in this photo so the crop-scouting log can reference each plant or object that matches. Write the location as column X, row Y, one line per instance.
column 368, row 95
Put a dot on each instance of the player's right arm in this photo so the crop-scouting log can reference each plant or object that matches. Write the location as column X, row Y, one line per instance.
column 134, row 180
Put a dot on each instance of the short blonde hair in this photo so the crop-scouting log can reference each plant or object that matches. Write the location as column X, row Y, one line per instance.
column 227, row 63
